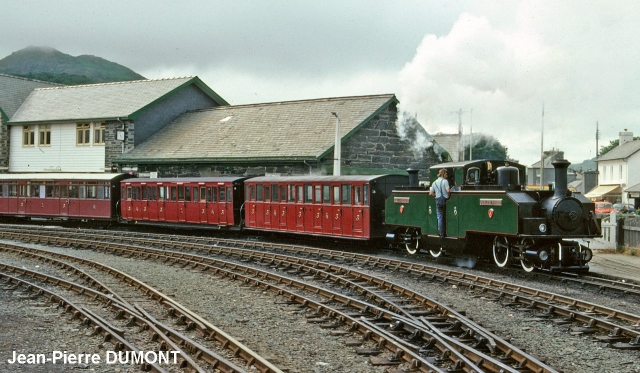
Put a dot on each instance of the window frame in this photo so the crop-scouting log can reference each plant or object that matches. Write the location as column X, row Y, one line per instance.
column 44, row 135
column 28, row 137
column 82, row 131
column 98, row 133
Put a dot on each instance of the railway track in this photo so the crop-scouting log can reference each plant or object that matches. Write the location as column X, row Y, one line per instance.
column 411, row 321
column 134, row 314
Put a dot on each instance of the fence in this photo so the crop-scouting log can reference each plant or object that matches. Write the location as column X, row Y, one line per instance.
column 620, row 230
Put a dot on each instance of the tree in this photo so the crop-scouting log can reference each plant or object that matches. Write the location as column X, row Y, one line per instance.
column 486, row 147
column 612, row 144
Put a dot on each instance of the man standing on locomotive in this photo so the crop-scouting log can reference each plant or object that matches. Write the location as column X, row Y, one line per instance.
column 440, row 188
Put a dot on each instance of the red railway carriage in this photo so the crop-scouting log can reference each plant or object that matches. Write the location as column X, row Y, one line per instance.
column 202, row 201
column 337, row 206
column 60, row 195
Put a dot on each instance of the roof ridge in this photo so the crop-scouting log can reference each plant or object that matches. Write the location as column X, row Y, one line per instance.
column 31, row 80
column 115, row 83
column 292, row 102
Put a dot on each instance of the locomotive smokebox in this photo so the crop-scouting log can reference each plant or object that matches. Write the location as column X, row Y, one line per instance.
column 413, row 177
column 561, row 166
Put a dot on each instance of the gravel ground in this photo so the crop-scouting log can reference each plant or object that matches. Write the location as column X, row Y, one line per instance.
column 281, row 334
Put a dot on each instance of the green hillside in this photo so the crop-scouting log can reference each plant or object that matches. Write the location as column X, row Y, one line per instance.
column 51, row 65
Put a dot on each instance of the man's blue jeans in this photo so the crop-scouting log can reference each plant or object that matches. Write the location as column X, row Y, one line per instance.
column 440, row 216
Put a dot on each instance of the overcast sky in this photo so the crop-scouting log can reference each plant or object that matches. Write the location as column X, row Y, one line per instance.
column 499, row 62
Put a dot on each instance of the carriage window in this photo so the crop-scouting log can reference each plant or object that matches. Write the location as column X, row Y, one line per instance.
column 366, row 195
column 346, row 194
column 136, row 193
column 174, row 193
column 145, row 194
column 123, row 192
column 102, row 190
column 187, row 194
column 5, row 190
column 318, row 193
column 267, row 193
column 308, row 193
column 259, row 193
column 152, row 192
column 73, row 192
column 292, row 193
column 13, row 190
column 300, row 194
column 203, row 194
column 107, row 191
column 91, row 191
column 129, row 193
column 274, row 193
column 252, row 188
column 283, row 193
column 357, row 197
column 326, row 194
column 228, row 194
column 35, row 190
column 222, row 197
column 196, row 194
column 209, row 195
column 162, row 194
column 180, row 193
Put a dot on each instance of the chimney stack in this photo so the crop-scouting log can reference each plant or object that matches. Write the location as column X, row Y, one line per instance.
column 625, row 137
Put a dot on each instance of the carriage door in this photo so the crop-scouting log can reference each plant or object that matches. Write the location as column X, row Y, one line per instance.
column 358, row 212
column 61, row 192
column 347, row 210
column 192, row 204
column 327, row 210
column 224, row 202
column 336, row 211
column 282, row 208
column 266, row 214
column 23, row 191
column 299, row 208
column 275, row 207
column 318, row 216
column 201, row 198
column 163, row 195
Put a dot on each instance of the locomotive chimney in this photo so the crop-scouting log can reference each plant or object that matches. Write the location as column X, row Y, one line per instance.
column 561, row 166
column 413, row 177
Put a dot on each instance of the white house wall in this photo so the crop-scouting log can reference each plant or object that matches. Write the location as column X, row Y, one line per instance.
column 63, row 155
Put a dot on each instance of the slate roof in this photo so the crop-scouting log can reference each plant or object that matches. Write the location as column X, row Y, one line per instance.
column 621, row 152
column 105, row 101
column 14, row 90
column 293, row 130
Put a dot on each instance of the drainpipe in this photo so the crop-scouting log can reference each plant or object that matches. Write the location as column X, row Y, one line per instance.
column 337, row 147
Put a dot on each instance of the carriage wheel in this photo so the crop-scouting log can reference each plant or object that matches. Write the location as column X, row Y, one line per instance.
column 413, row 247
column 501, row 251
column 436, row 253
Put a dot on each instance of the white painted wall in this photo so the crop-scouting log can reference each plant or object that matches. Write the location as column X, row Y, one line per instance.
column 62, row 155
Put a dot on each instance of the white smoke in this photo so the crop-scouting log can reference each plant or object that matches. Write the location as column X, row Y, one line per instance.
column 411, row 131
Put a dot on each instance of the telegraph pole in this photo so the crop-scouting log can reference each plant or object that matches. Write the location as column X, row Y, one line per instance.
column 460, row 145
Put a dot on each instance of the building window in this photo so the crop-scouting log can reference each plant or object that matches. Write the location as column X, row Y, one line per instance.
column 44, row 135
column 98, row 134
column 83, row 134
column 28, row 136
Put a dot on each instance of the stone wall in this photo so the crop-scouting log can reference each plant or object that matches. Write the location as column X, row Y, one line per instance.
column 4, row 146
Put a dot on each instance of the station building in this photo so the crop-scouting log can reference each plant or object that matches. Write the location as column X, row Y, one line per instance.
column 181, row 127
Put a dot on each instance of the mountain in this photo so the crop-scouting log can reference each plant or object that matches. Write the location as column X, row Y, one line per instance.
column 51, row 65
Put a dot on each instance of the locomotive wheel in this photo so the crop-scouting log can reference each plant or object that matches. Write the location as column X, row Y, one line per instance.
column 501, row 251
column 413, row 247
column 527, row 265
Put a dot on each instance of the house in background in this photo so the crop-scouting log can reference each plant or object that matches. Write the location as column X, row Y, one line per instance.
column 83, row 128
column 14, row 91
column 619, row 179
column 548, row 171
